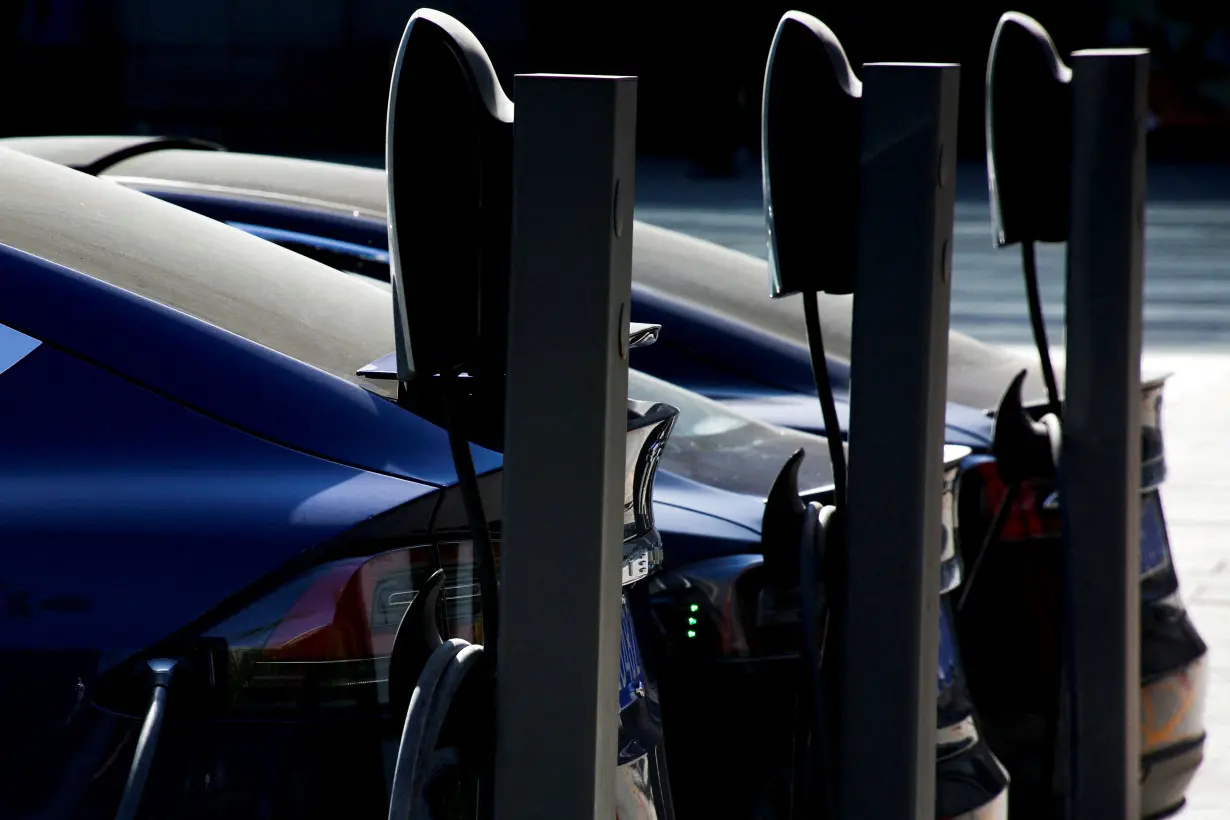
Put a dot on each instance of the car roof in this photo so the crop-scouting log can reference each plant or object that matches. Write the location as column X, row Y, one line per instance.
column 335, row 186
column 736, row 285
column 85, row 152
column 295, row 306
column 240, row 329
column 721, row 280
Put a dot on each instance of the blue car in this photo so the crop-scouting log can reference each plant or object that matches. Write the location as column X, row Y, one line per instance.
column 195, row 469
column 194, row 472
column 721, row 459
column 728, row 342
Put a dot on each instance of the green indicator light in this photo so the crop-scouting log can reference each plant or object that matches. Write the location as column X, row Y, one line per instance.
column 691, row 622
column 691, row 633
column 694, row 608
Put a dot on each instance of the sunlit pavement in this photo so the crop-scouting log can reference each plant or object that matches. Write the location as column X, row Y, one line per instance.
column 1187, row 332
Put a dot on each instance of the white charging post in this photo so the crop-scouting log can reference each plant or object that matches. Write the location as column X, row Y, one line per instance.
column 574, row 147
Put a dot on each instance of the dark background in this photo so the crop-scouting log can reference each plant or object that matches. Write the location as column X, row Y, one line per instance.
column 311, row 76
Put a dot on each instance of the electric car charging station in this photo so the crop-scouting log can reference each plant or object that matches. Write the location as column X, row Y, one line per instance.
column 547, row 215
column 574, row 179
column 859, row 194
column 859, row 178
column 491, row 622
column 1078, row 176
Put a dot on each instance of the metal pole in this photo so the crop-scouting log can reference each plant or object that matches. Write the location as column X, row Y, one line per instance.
column 1100, row 462
column 890, row 641
column 557, row 690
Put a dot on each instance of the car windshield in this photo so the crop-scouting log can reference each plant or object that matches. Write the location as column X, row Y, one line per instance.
column 714, row 445
column 708, row 433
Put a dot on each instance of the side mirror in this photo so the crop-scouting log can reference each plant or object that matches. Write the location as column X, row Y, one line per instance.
column 1029, row 133
column 810, row 132
column 642, row 335
column 385, row 368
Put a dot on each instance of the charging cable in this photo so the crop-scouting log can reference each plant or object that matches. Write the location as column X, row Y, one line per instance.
column 442, row 676
column 147, row 742
column 815, row 618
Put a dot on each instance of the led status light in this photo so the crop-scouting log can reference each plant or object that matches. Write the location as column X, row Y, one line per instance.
column 692, row 620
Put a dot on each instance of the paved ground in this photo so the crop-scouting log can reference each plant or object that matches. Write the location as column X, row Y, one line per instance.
column 1187, row 331
column 1196, row 497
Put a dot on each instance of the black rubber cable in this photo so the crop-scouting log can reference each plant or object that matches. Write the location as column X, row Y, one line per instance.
column 1067, row 681
column 811, row 558
column 1029, row 265
column 455, row 674
column 800, row 759
column 147, row 742
column 828, row 405
column 992, row 533
column 403, row 799
column 467, row 480
column 818, row 751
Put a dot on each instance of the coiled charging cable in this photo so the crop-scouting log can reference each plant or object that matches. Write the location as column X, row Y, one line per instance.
column 438, row 683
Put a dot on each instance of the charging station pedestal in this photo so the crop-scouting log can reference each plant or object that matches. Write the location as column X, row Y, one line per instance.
column 574, row 164
column 889, row 646
column 1100, row 461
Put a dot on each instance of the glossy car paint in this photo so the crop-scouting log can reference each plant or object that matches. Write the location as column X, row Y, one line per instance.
column 697, row 495
column 161, row 472
column 696, row 537
column 725, row 288
column 763, row 374
column 124, row 524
